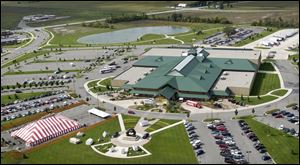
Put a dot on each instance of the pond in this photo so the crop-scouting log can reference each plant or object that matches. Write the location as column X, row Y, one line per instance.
column 129, row 35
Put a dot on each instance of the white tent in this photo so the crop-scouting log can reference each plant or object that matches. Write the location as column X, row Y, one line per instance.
column 104, row 134
column 144, row 123
column 79, row 134
column 99, row 113
column 89, row 141
column 74, row 140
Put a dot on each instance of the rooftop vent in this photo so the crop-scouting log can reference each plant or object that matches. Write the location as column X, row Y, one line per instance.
column 159, row 59
column 228, row 62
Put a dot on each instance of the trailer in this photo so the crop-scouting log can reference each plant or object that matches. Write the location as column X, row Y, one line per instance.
column 193, row 103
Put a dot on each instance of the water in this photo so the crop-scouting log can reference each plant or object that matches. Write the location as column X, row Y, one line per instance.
column 129, row 35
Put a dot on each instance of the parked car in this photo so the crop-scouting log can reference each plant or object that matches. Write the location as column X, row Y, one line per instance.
column 146, row 135
column 279, row 116
column 131, row 112
column 200, row 152
column 265, row 157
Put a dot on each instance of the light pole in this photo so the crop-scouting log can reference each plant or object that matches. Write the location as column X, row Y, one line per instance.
column 248, row 152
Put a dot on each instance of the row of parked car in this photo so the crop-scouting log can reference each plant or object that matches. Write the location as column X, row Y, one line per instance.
column 34, row 104
column 34, row 97
column 288, row 115
column 194, row 138
column 228, row 148
column 256, row 143
column 290, row 131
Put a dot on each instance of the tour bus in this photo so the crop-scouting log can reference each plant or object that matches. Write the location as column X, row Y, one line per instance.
column 193, row 103
column 105, row 70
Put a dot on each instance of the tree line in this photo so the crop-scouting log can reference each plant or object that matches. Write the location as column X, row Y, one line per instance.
column 276, row 22
column 126, row 18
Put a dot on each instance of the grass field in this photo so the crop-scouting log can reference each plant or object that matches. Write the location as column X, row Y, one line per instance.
column 13, row 11
column 294, row 57
column 266, row 5
column 130, row 121
column 255, row 100
column 71, row 34
column 164, row 147
column 160, row 124
column 5, row 98
column 283, row 148
column 280, row 92
column 265, row 83
column 266, row 66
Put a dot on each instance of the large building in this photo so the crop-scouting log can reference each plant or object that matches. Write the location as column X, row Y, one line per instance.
column 191, row 74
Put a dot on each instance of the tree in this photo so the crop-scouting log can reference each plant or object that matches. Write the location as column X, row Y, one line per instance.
column 9, row 97
column 16, row 96
column 107, row 87
column 87, row 99
column 7, row 87
column 253, row 111
column 79, row 96
column 242, row 97
column 236, row 112
column 229, row 30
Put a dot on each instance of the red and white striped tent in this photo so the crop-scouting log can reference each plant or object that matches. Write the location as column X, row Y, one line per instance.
column 45, row 129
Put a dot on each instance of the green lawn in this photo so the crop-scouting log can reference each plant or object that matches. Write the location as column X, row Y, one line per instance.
column 160, row 124
column 151, row 37
column 280, row 92
column 164, row 147
column 20, row 96
column 92, row 83
column 255, row 100
column 265, row 83
column 130, row 121
column 283, row 148
column 294, row 58
column 192, row 37
column 266, row 66
column 40, row 72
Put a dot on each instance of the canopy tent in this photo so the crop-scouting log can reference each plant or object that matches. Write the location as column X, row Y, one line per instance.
column 99, row 113
column 45, row 129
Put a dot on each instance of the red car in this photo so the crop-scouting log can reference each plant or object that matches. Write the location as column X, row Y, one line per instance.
column 131, row 112
column 223, row 146
column 220, row 128
column 218, row 137
column 279, row 116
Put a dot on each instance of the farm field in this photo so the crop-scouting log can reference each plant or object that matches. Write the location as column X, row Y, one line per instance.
column 13, row 11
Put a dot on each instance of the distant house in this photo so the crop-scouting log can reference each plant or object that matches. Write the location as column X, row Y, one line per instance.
column 181, row 5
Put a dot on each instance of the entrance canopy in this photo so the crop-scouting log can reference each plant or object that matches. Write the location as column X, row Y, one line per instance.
column 99, row 113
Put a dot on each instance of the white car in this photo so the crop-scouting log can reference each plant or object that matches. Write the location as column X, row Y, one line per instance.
column 281, row 127
column 297, row 123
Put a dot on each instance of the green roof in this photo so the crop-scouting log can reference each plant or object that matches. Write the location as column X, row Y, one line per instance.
column 188, row 95
column 167, row 92
column 153, row 93
column 189, row 73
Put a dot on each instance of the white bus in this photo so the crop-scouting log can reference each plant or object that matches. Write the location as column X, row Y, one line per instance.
column 105, row 70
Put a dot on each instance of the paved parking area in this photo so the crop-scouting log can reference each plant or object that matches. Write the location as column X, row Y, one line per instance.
column 80, row 113
column 54, row 66
column 39, row 107
column 244, row 143
column 276, row 122
column 212, row 152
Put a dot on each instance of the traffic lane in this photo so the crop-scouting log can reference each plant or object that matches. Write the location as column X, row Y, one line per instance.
column 55, row 65
column 244, row 143
column 13, row 79
column 289, row 74
column 34, row 89
column 212, row 151
column 276, row 122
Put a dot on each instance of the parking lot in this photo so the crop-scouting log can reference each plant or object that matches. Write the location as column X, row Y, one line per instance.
column 220, row 38
column 24, row 108
column 209, row 146
column 80, row 114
